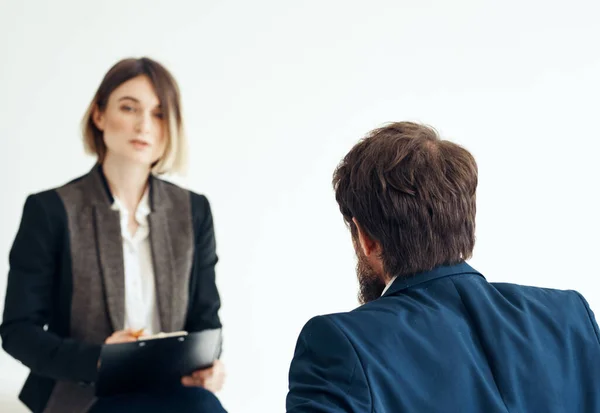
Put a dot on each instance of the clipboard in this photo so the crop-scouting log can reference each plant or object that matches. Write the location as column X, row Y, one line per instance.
column 156, row 362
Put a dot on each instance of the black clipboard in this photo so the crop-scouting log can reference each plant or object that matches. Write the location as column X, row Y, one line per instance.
column 153, row 364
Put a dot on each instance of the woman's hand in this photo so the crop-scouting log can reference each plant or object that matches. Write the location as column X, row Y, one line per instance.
column 211, row 379
column 124, row 336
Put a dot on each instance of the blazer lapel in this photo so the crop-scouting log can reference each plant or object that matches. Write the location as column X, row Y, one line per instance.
column 107, row 229
column 110, row 248
column 162, row 254
column 171, row 240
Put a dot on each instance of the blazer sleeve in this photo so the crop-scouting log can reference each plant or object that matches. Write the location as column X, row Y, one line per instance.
column 30, row 297
column 204, row 302
column 326, row 375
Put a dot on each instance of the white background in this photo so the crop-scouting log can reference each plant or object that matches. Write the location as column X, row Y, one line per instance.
column 275, row 93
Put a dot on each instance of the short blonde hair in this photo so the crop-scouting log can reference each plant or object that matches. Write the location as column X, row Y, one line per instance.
column 174, row 159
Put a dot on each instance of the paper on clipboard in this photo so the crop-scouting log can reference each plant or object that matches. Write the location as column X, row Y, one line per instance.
column 163, row 335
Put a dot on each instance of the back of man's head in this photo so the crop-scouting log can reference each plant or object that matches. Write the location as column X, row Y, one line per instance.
column 411, row 192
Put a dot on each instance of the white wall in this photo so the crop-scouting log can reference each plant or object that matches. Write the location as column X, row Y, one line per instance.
column 276, row 92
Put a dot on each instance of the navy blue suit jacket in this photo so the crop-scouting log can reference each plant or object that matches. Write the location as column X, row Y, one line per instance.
column 448, row 341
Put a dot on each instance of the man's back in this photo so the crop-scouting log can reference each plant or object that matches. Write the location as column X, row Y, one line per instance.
column 449, row 341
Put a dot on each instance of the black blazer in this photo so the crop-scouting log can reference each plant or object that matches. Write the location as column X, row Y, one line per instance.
column 65, row 291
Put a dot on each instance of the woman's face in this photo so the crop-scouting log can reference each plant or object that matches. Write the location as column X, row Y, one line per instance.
column 132, row 123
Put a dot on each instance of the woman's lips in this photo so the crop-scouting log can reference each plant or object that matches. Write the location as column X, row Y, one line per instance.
column 139, row 144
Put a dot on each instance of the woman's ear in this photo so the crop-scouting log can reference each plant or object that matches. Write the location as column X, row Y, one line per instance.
column 98, row 118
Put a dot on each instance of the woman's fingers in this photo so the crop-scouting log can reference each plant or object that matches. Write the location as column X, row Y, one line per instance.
column 124, row 336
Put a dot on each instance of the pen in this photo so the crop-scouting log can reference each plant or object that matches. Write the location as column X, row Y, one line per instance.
column 137, row 333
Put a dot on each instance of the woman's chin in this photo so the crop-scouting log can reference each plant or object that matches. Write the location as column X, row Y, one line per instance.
column 136, row 159
column 133, row 158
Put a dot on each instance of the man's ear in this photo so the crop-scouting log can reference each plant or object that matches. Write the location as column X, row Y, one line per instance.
column 98, row 118
column 368, row 245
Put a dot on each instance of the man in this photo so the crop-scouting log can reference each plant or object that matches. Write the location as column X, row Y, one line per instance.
column 433, row 335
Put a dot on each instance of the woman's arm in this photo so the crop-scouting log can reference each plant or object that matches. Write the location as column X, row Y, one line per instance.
column 204, row 301
column 32, row 287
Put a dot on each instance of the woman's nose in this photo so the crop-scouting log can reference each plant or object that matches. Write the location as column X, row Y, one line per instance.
column 144, row 123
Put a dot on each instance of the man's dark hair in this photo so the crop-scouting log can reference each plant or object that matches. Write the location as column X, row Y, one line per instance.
column 413, row 193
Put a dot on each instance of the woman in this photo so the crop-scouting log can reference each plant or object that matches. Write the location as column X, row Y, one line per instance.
column 115, row 252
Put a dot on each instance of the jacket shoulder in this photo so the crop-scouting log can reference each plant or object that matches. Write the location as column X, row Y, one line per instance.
column 175, row 191
column 47, row 201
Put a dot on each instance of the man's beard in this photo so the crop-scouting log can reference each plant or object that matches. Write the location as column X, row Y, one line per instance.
column 371, row 284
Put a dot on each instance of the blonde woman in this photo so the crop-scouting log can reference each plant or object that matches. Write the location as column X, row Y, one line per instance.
column 115, row 252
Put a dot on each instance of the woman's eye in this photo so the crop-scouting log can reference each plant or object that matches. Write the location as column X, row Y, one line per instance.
column 159, row 115
column 126, row 108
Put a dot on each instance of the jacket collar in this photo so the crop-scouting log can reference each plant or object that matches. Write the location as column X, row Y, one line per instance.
column 402, row 283
column 100, row 191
